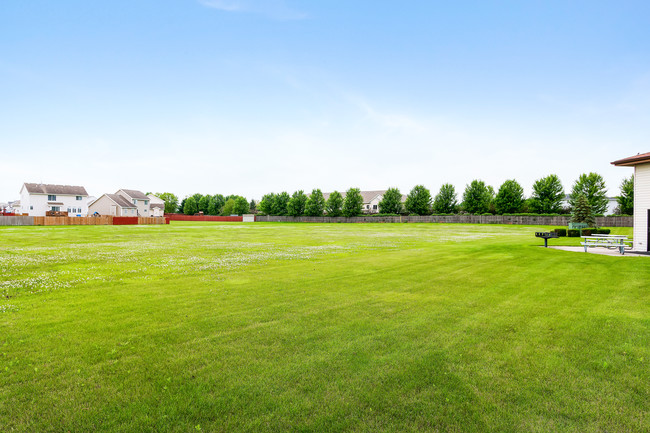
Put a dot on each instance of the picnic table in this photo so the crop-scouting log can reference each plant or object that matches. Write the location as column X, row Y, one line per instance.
column 617, row 242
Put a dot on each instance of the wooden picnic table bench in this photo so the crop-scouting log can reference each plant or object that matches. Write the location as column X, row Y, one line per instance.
column 619, row 242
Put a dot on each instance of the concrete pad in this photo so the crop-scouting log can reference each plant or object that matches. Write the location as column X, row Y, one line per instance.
column 599, row 250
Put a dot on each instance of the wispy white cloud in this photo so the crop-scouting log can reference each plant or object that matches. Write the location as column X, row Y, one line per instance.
column 276, row 9
column 390, row 120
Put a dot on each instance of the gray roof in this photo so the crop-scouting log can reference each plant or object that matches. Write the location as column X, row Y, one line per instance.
column 157, row 206
column 40, row 188
column 366, row 195
column 134, row 193
column 121, row 201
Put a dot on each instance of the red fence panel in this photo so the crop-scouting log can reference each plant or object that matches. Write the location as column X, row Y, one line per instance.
column 123, row 221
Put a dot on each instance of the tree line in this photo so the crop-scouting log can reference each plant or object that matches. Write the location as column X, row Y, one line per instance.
column 217, row 204
column 477, row 198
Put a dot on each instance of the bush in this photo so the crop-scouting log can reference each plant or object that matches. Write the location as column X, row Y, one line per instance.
column 600, row 231
column 587, row 232
column 573, row 233
column 560, row 232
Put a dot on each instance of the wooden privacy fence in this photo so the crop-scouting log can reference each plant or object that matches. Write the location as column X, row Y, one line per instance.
column 73, row 221
column 533, row 220
column 93, row 221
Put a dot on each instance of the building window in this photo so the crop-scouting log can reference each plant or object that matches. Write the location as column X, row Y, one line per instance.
column 145, row 211
column 374, row 207
column 79, row 197
column 31, row 208
column 56, row 208
column 68, row 210
column 135, row 201
column 51, row 198
column 146, row 202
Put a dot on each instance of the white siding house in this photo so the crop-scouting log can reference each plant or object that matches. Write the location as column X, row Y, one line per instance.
column 36, row 199
column 641, row 164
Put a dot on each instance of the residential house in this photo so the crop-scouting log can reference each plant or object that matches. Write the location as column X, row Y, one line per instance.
column 36, row 199
column 641, row 230
column 125, row 202
column 156, row 206
column 114, row 205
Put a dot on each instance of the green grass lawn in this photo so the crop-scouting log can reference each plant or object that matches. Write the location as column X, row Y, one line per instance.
column 316, row 327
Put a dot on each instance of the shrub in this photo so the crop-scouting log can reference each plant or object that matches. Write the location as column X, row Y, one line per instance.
column 600, row 231
column 560, row 232
column 587, row 232
column 573, row 233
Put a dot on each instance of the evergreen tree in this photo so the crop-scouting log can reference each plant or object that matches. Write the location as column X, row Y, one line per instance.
column 315, row 204
column 418, row 201
column 190, row 207
column 445, row 201
column 510, row 198
column 296, row 205
column 592, row 185
column 583, row 212
column 334, row 204
column 477, row 198
column 547, row 196
column 391, row 202
column 252, row 206
column 626, row 199
column 353, row 203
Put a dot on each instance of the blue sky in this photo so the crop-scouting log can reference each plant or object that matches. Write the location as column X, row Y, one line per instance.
column 257, row 96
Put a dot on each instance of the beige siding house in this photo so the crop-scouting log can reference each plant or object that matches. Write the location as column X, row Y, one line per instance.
column 156, row 206
column 113, row 205
column 641, row 164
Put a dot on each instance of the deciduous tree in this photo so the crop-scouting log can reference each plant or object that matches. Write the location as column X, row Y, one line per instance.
column 418, row 201
column 446, row 200
column 240, row 206
column 626, row 199
column 190, row 207
column 171, row 201
column 391, row 202
column 280, row 202
column 547, row 196
column 315, row 204
column 353, row 203
column 228, row 208
column 477, row 197
column 510, row 198
column 334, row 204
column 296, row 205
column 592, row 185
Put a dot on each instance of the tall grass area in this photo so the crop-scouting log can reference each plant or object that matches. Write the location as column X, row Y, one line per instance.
column 313, row 327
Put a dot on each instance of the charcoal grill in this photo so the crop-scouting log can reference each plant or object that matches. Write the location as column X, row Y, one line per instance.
column 546, row 236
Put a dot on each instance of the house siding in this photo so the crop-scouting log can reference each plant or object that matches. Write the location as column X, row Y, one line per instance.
column 37, row 204
column 641, row 206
